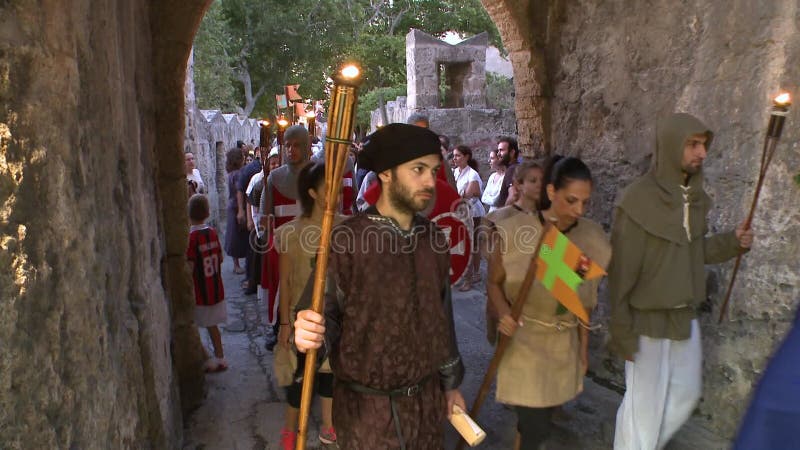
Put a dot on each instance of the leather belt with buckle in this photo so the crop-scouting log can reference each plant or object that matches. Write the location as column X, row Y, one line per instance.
column 405, row 391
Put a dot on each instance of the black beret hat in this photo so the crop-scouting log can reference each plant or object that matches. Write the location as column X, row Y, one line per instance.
column 395, row 144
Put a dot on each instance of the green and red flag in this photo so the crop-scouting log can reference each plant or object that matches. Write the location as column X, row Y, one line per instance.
column 561, row 267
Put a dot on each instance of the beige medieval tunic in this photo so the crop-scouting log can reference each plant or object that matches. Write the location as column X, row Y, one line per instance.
column 542, row 365
column 299, row 239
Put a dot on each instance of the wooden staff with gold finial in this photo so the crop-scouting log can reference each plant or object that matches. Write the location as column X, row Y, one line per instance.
column 337, row 146
column 503, row 341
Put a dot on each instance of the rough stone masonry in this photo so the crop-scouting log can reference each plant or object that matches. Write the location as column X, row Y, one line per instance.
column 592, row 77
column 96, row 335
column 96, row 332
column 462, row 114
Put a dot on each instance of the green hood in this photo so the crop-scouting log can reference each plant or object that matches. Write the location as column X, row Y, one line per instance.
column 655, row 201
column 671, row 134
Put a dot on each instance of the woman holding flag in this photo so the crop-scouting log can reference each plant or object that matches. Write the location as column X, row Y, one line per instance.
column 547, row 358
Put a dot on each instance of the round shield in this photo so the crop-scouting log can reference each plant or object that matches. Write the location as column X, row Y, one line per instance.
column 459, row 237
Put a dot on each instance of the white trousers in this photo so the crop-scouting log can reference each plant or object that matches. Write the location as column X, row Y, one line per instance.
column 663, row 386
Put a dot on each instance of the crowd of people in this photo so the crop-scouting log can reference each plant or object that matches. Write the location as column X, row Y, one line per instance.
column 388, row 294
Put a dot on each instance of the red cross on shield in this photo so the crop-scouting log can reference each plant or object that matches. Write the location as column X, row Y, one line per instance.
column 459, row 237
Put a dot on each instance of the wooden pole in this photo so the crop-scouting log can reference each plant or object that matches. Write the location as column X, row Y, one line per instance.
column 774, row 129
column 504, row 341
column 337, row 144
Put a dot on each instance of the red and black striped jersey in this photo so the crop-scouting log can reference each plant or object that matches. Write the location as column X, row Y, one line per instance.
column 206, row 254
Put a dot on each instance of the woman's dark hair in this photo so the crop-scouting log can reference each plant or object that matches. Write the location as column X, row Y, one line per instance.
column 559, row 171
column 310, row 177
column 466, row 151
column 500, row 161
column 445, row 141
column 234, row 159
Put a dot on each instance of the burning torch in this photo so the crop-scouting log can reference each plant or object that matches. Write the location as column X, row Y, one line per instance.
column 310, row 117
column 337, row 145
column 777, row 117
column 282, row 125
column 264, row 134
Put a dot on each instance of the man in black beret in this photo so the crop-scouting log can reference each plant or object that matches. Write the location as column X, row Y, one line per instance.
column 388, row 325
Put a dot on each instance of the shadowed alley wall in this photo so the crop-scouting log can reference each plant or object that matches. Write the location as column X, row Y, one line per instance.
column 95, row 330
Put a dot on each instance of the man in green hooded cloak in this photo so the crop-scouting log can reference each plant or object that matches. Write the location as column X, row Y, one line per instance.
column 657, row 281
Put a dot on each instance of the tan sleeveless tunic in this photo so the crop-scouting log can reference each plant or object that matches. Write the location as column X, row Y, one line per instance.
column 299, row 239
column 542, row 365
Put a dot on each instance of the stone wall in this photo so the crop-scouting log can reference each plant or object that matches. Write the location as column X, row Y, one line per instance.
column 464, row 69
column 477, row 128
column 91, row 354
column 590, row 79
column 209, row 134
column 616, row 66
column 524, row 27
column 470, row 123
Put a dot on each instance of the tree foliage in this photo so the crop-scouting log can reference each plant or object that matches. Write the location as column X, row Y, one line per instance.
column 213, row 65
column 368, row 102
column 247, row 50
column 499, row 91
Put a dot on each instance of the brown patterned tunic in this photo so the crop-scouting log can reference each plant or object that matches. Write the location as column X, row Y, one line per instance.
column 389, row 325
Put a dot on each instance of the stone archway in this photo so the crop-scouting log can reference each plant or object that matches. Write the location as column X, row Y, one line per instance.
column 91, row 109
column 92, row 113
column 173, row 30
column 604, row 125
column 524, row 27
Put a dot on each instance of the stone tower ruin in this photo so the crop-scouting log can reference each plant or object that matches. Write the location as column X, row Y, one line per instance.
column 447, row 83
column 462, row 67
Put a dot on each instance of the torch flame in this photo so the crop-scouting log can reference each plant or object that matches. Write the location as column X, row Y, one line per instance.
column 263, row 123
column 350, row 71
column 283, row 122
column 310, row 114
column 784, row 99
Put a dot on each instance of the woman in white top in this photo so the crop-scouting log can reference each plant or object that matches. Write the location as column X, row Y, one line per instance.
column 495, row 181
column 469, row 186
column 194, row 182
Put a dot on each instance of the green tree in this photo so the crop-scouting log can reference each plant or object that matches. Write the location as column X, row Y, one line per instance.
column 276, row 45
column 259, row 46
column 379, row 39
column 380, row 27
column 213, row 74
column 266, row 44
column 499, row 91
column 369, row 101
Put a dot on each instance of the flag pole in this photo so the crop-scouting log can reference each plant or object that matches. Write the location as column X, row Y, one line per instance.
column 780, row 109
column 503, row 340
column 337, row 145
column 289, row 104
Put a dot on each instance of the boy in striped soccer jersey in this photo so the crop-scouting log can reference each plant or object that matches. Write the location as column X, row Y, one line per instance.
column 205, row 256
